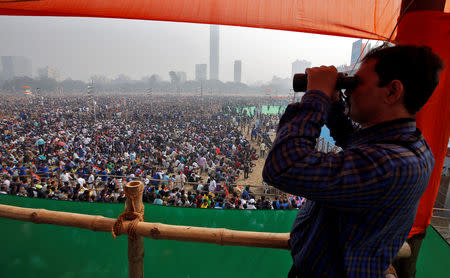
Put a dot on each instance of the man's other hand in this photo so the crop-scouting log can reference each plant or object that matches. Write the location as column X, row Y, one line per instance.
column 323, row 79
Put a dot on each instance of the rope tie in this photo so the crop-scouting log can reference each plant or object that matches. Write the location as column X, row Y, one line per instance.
column 130, row 215
column 134, row 217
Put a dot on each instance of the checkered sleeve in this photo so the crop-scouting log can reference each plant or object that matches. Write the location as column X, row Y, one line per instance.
column 353, row 178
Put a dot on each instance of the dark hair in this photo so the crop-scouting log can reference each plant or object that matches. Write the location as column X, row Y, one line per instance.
column 417, row 67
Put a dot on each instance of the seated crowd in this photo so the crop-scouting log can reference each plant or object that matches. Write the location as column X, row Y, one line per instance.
column 57, row 148
column 157, row 191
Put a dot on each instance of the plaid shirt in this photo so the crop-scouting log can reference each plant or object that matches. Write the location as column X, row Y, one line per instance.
column 361, row 201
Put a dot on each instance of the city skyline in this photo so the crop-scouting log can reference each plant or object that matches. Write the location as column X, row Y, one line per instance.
column 80, row 48
column 15, row 66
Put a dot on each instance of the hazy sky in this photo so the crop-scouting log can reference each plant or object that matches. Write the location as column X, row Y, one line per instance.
column 81, row 47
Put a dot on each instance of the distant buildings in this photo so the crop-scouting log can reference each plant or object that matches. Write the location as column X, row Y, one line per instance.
column 49, row 72
column 15, row 66
column 359, row 50
column 181, row 76
column 299, row 66
column 200, row 72
column 345, row 69
column 237, row 71
column 214, row 52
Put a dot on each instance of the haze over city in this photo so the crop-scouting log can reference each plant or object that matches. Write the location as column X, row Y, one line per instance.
column 82, row 47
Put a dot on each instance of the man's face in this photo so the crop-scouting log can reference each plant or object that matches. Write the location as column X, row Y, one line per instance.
column 366, row 100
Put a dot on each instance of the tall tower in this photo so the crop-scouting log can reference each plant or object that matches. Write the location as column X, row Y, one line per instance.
column 299, row 66
column 214, row 52
column 359, row 50
column 237, row 71
column 200, row 72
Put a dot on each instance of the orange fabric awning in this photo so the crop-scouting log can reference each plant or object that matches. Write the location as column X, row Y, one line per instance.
column 371, row 19
column 431, row 28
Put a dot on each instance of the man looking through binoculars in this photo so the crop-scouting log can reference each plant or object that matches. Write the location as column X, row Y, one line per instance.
column 362, row 200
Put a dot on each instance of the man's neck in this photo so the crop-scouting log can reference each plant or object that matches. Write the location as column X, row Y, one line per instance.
column 386, row 117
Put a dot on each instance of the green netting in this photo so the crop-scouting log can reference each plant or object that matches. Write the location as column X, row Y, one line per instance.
column 31, row 250
column 38, row 250
column 434, row 256
column 272, row 109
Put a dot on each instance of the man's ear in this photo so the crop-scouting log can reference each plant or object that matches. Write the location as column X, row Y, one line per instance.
column 395, row 93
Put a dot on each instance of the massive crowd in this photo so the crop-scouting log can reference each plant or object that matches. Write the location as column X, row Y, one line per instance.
column 188, row 151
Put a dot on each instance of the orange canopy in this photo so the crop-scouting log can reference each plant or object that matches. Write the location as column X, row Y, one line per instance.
column 371, row 19
column 431, row 28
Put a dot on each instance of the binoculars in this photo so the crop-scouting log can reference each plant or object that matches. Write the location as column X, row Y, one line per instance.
column 300, row 82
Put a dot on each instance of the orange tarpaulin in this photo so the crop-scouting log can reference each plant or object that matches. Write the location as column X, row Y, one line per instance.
column 372, row 19
column 431, row 28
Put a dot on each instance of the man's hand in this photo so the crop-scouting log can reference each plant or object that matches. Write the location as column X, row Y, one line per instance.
column 323, row 79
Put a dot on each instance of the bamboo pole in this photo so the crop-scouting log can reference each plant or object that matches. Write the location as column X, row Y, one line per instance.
column 133, row 191
column 220, row 236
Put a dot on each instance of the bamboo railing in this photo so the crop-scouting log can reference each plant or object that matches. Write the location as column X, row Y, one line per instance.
column 136, row 231
column 219, row 236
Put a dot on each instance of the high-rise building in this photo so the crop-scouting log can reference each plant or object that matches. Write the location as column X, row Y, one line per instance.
column 299, row 66
column 200, row 72
column 237, row 71
column 345, row 69
column 181, row 76
column 48, row 72
column 214, row 52
column 16, row 66
column 359, row 50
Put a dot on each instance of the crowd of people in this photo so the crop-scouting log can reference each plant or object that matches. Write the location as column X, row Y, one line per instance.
column 188, row 151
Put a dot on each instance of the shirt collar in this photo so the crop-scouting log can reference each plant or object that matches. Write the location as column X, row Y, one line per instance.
column 403, row 129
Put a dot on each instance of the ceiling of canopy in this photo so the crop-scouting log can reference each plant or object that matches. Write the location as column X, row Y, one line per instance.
column 371, row 19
